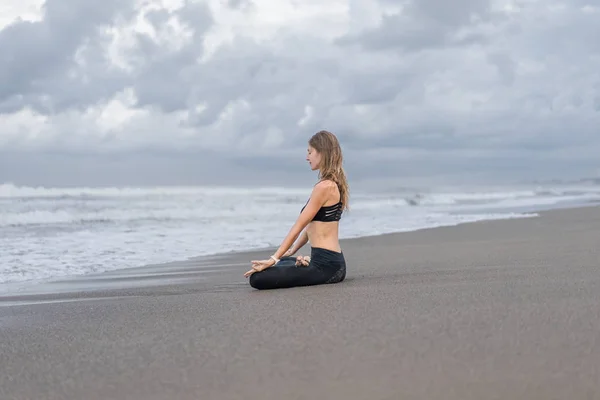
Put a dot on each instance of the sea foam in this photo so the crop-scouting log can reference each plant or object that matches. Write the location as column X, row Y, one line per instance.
column 48, row 233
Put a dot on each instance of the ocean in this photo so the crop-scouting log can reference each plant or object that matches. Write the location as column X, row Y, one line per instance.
column 51, row 233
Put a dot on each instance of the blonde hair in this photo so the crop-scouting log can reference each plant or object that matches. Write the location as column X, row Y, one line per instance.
column 331, row 167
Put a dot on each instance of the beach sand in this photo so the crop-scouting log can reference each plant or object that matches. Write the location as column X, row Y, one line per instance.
column 504, row 309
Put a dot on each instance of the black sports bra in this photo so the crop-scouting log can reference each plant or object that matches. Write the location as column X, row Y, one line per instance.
column 327, row 213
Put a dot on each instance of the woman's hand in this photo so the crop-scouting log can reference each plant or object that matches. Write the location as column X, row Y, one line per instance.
column 302, row 261
column 260, row 265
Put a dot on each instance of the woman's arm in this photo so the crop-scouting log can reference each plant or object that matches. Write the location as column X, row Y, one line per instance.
column 299, row 244
column 317, row 199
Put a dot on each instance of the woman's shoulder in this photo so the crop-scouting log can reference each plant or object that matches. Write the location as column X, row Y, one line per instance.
column 326, row 189
column 326, row 184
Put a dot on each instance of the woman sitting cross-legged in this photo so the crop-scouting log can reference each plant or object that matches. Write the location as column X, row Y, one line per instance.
column 318, row 223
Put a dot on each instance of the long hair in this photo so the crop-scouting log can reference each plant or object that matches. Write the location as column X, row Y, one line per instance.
column 331, row 167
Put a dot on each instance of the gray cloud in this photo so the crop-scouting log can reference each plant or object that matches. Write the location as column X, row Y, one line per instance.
column 431, row 89
column 427, row 24
column 166, row 78
column 239, row 4
column 39, row 56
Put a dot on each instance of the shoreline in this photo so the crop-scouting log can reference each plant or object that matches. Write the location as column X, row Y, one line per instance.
column 29, row 285
column 197, row 270
column 120, row 278
column 503, row 309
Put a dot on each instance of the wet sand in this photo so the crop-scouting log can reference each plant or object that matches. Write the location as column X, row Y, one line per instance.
column 490, row 310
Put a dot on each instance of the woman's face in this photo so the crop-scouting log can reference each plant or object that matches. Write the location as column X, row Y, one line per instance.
column 313, row 157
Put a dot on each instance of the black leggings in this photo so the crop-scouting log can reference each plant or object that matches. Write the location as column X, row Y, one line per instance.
column 326, row 266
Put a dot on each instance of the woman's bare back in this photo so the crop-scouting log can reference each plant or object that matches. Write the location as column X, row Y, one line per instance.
column 326, row 234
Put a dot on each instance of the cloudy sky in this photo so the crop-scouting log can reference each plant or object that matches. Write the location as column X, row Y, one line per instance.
column 224, row 91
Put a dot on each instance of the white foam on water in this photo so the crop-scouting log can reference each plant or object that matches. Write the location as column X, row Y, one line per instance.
column 48, row 233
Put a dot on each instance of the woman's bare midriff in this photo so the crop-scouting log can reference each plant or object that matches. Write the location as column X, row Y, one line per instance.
column 324, row 235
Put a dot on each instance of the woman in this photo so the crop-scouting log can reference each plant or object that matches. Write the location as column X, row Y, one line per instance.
column 319, row 224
